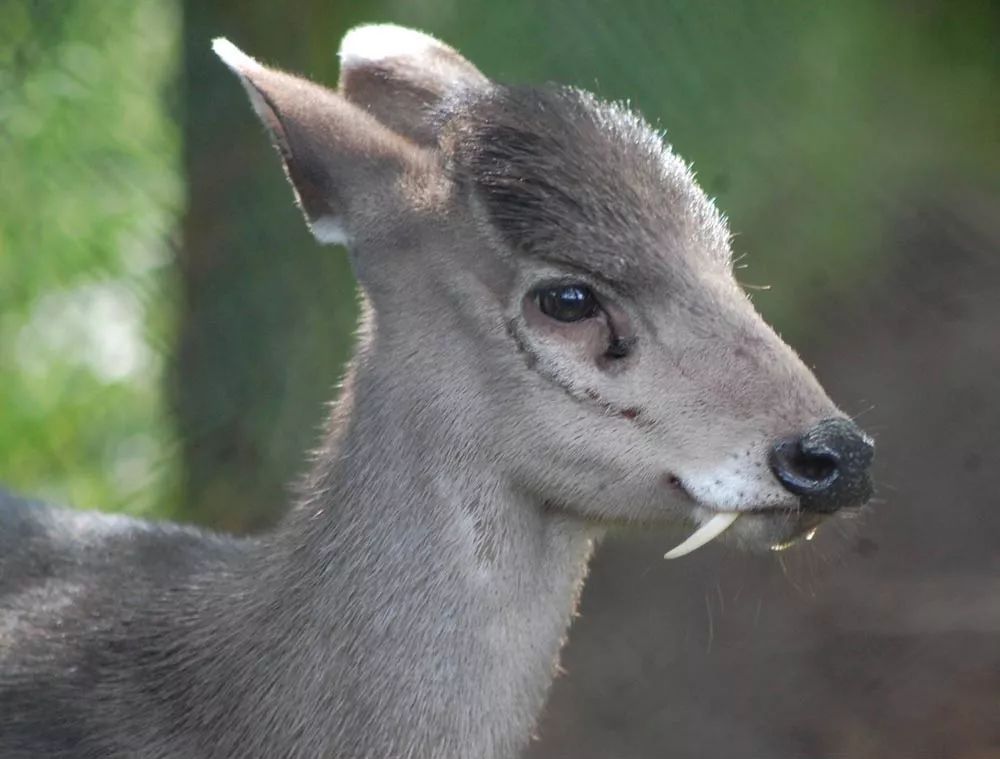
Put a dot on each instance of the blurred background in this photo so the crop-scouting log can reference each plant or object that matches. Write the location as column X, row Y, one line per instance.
column 169, row 333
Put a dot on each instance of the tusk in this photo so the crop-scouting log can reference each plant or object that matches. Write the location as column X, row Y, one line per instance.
column 704, row 534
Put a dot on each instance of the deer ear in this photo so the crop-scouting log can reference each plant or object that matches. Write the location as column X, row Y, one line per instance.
column 400, row 76
column 333, row 152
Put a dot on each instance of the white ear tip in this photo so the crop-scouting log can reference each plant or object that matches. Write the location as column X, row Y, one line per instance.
column 377, row 42
column 233, row 57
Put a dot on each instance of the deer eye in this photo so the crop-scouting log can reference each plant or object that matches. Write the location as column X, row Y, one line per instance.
column 568, row 303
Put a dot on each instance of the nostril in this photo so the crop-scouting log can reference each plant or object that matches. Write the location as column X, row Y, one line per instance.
column 841, row 439
column 802, row 470
column 817, row 468
column 828, row 467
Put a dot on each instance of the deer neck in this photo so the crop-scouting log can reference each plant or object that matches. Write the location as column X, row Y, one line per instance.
column 427, row 596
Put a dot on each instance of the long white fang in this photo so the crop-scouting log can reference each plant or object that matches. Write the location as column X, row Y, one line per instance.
column 709, row 531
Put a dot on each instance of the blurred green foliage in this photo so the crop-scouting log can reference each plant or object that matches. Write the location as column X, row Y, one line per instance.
column 817, row 126
column 89, row 199
column 822, row 129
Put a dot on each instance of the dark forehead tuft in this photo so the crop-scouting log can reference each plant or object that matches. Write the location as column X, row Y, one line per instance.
column 585, row 183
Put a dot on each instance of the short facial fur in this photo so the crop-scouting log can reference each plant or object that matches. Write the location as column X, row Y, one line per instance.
column 553, row 342
column 518, row 187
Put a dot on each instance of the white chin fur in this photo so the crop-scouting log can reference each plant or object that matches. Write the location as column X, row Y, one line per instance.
column 377, row 42
column 737, row 487
column 708, row 532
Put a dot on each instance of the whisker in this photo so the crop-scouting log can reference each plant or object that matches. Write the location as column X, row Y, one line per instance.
column 855, row 417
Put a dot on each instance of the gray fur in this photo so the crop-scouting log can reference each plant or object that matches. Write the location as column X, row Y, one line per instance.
column 414, row 600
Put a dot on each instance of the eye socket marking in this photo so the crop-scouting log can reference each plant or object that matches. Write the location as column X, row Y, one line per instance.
column 568, row 303
column 620, row 347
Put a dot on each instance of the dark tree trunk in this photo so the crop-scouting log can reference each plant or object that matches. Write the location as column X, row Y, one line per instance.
column 265, row 313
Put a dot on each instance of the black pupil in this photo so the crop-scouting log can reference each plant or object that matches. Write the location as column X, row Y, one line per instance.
column 569, row 303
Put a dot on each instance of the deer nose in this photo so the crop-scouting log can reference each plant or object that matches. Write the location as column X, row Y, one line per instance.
column 828, row 467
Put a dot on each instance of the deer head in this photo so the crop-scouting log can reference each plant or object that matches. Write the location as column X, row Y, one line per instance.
column 547, row 269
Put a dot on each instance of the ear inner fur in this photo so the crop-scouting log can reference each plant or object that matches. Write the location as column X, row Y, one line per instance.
column 332, row 151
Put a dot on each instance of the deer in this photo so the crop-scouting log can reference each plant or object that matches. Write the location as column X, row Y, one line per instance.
column 552, row 343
